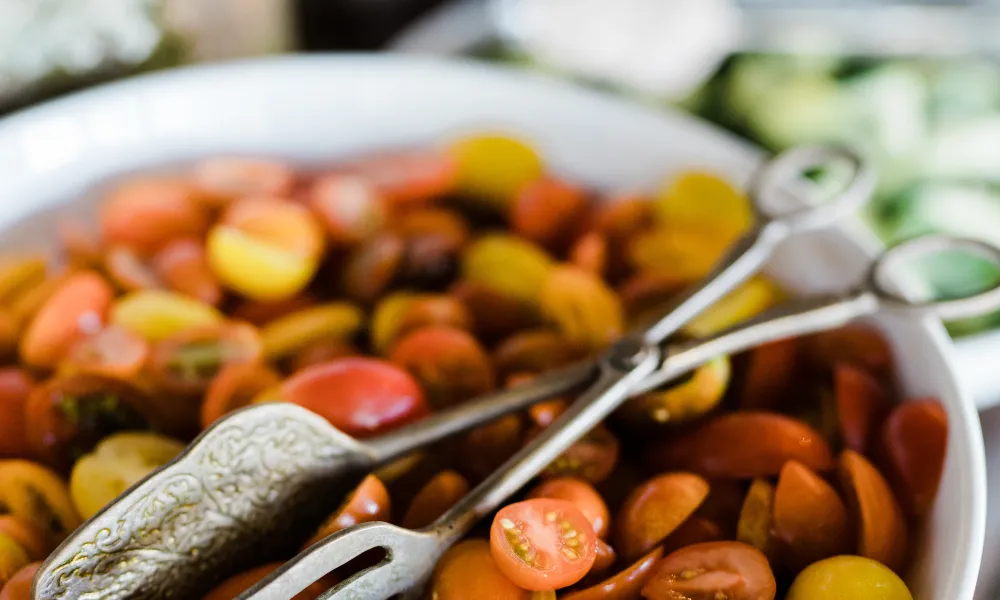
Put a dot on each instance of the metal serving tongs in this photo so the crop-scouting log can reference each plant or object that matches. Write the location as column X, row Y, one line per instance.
column 257, row 483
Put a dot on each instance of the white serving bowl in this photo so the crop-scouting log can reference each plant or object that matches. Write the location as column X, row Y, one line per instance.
column 321, row 108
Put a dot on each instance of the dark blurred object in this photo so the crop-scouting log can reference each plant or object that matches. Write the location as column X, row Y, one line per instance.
column 355, row 24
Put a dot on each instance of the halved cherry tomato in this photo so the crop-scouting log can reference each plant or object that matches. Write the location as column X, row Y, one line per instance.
column 26, row 534
column 226, row 178
column 724, row 504
column 290, row 333
column 769, row 372
column 742, row 445
column 368, row 502
column 710, row 571
column 590, row 253
column 810, row 519
column 373, row 266
column 544, row 413
column 592, row 458
column 68, row 416
column 236, row 585
column 696, row 530
column 359, row 396
column 535, row 351
column 407, row 178
column 349, row 207
column 914, row 442
column 449, row 363
column 183, row 266
column 186, row 363
column 18, row 587
column 848, row 578
column 861, row 405
column 81, row 246
column 76, row 308
column 487, row 447
column 655, row 509
column 542, row 544
column 36, row 495
column 605, row 557
column 112, row 352
column 440, row 494
column 495, row 316
column 549, row 212
column 320, row 352
column 861, row 345
column 128, row 270
column 236, row 385
column 144, row 213
column 468, row 570
column 15, row 388
column 882, row 531
column 755, row 526
column 626, row 585
column 582, row 495
column 261, row 312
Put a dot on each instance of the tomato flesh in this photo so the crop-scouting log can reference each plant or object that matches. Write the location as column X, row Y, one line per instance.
column 713, row 571
column 543, row 544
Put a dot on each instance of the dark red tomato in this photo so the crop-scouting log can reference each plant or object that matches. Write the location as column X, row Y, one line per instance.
column 495, row 316
column 234, row 586
column 67, row 416
column 859, row 344
column 593, row 458
column 15, row 387
column 914, row 442
column 449, row 363
column 712, row 571
column 543, row 544
column 882, row 531
column 441, row 493
column 861, row 405
column 360, row 396
column 770, row 371
column 234, row 387
column 582, row 495
column 655, row 509
column 549, row 212
column 723, row 505
column 368, row 502
column 626, row 585
column 696, row 530
column 186, row 363
column 743, row 445
column 810, row 519
column 535, row 352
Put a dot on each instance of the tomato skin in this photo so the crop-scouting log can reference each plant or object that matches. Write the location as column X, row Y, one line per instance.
column 861, row 405
column 549, row 212
column 605, row 556
column 359, row 396
column 914, row 441
column 882, row 531
column 409, row 178
column 543, row 544
column 810, row 519
column 625, row 585
column 730, row 570
column 485, row 448
column 18, row 587
column 235, row 386
column 440, row 494
column 183, row 265
column 656, row 509
column 144, row 213
column 770, row 370
column 15, row 388
column 756, row 524
column 859, row 344
column 82, row 297
column 744, row 445
column 581, row 494
column 468, row 570
column 112, row 352
column 368, row 502
column 236, row 585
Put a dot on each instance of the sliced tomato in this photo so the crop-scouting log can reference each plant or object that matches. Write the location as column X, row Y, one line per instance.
column 655, row 509
column 543, row 544
column 710, row 571
column 882, row 531
column 696, row 530
column 582, row 495
column 113, row 352
column 359, row 396
column 862, row 404
column 626, row 585
column 468, row 570
column 770, row 370
column 810, row 519
column 593, row 458
column 860, row 344
column 15, row 388
column 914, row 442
column 606, row 556
column 187, row 362
column 236, row 386
column 368, row 502
column 407, row 178
column 236, row 585
column 441, row 493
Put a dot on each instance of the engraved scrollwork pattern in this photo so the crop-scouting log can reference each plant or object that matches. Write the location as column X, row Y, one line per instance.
column 187, row 519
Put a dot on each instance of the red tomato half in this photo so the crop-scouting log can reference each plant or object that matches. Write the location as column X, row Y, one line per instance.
column 730, row 570
column 359, row 396
column 914, row 441
column 15, row 387
column 543, row 544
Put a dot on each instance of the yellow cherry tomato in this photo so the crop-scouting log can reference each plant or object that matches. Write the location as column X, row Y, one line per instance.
column 507, row 264
column 848, row 578
column 748, row 300
column 689, row 400
column 495, row 167
column 703, row 200
column 254, row 268
column 157, row 314
column 290, row 333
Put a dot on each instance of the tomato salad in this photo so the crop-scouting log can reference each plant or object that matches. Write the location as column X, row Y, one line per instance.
column 378, row 290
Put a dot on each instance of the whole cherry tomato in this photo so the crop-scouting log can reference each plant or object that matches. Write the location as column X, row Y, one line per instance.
column 882, row 531
column 626, row 585
column 655, row 509
column 730, row 570
column 914, row 439
column 848, row 578
column 810, row 519
column 582, row 495
column 542, row 544
column 359, row 396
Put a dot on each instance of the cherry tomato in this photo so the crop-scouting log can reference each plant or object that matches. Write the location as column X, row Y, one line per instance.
column 655, row 509
column 544, row 413
column 407, row 178
column 477, row 158
column 37, row 496
column 260, row 313
column 368, row 502
column 157, row 314
column 373, row 267
column 111, row 352
column 549, row 212
column 440, row 494
column 144, row 213
column 290, row 333
column 590, row 253
column 128, row 270
column 810, row 519
column 27, row 535
column 914, row 441
column 710, row 571
column 359, row 396
column 770, row 369
column 592, row 458
column 696, row 530
column 882, row 531
column 861, row 405
column 582, row 306
column 605, row 557
column 495, row 316
column 236, row 585
column 186, row 363
column 468, row 570
column 743, row 445
column 68, row 416
column 645, row 295
column 321, row 351
column 236, row 385
column 449, row 363
column 349, row 207
column 582, row 495
column 428, row 310
column 848, row 578
column 81, row 246
column 78, row 306
column 18, row 587
column 683, row 402
column 858, row 344
column 223, row 179
column 755, row 526
column 15, row 388
column 724, row 504
column 626, row 585
column 536, row 351
column 183, row 266
column 485, row 448
column 542, row 544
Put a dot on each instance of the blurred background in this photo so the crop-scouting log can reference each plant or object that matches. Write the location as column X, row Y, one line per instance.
column 915, row 85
